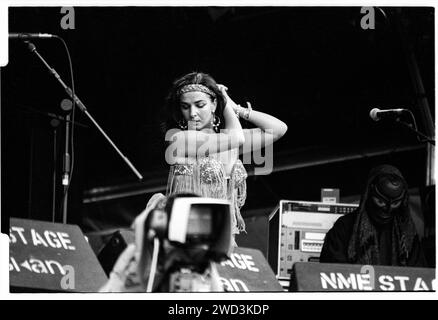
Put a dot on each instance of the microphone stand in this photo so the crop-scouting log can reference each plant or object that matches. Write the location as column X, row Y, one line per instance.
column 66, row 165
column 418, row 133
column 54, row 123
column 66, row 177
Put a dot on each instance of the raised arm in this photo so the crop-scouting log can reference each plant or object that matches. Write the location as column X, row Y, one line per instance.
column 266, row 123
column 231, row 120
column 269, row 129
column 192, row 143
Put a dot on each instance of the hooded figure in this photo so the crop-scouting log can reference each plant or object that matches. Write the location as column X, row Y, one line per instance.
column 381, row 230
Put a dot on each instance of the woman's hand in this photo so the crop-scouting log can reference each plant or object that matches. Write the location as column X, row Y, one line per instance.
column 223, row 89
column 228, row 101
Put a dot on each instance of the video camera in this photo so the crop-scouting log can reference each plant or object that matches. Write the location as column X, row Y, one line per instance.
column 178, row 239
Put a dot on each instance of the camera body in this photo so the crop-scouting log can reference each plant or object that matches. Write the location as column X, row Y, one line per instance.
column 191, row 233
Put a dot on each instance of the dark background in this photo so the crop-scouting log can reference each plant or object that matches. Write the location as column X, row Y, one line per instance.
column 314, row 68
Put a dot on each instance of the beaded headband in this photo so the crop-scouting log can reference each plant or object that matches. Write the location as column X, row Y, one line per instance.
column 196, row 87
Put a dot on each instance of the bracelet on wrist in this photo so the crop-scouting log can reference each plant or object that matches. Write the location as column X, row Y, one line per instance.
column 244, row 113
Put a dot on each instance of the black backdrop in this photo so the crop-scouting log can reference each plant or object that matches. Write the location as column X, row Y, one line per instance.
column 314, row 68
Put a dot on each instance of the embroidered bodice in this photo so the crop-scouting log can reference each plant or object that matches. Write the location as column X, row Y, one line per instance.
column 207, row 177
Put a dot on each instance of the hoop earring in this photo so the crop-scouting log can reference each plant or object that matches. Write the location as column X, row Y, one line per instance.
column 182, row 124
column 215, row 122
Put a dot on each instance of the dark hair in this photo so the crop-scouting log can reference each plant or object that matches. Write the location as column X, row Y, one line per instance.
column 172, row 107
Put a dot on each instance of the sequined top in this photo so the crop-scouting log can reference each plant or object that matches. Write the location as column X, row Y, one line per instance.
column 207, row 177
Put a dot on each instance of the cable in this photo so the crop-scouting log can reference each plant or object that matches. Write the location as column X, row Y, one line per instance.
column 73, row 116
column 54, row 171
column 154, row 264
column 413, row 119
column 413, row 127
column 420, row 137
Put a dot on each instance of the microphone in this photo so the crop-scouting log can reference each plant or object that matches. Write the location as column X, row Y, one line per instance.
column 376, row 114
column 30, row 35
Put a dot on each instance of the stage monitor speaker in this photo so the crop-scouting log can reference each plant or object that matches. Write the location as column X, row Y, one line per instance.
column 109, row 244
column 247, row 270
column 51, row 257
column 323, row 277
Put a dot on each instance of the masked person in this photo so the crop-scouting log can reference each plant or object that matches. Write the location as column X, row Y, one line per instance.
column 381, row 231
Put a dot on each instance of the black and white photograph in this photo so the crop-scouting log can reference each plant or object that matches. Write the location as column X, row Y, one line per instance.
column 219, row 149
